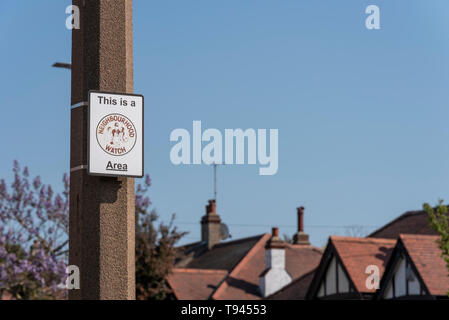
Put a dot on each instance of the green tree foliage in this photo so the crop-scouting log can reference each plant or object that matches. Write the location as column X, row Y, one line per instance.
column 439, row 220
column 155, row 249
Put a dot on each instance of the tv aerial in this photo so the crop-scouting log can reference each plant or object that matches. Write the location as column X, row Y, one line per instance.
column 224, row 229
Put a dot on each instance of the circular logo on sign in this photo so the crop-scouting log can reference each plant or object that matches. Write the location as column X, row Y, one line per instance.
column 116, row 134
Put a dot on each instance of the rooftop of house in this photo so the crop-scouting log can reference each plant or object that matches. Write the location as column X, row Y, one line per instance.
column 231, row 270
column 223, row 256
column 243, row 260
column 358, row 253
column 195, row 284
column 410, row 222
column 243, row 281
column 425, row 254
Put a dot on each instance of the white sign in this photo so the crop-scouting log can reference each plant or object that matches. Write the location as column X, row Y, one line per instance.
column 115, row 134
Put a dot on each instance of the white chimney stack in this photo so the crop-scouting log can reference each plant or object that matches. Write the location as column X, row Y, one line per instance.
column 275, row 277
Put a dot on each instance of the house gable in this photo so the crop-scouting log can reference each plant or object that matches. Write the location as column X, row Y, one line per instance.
column 416, row 270
column 401, row 279
column 342, row 270
column 331, row 280
column 335, row 280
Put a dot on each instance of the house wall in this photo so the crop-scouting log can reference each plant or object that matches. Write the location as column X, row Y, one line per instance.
column 331, row 278
column 399, row 279
column 405, row 281
column 343, row 283
column 274, row 280
column 334, row 279
column 414, row 287
column 275, row 258
column 276, row 277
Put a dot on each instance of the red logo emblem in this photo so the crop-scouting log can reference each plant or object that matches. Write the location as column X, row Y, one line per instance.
column 116, row 134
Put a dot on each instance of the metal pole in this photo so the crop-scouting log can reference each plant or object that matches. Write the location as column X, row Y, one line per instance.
column 215, row 182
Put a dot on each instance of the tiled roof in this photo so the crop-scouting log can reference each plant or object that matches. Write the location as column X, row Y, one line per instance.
column 426, row 256
column 301, row 259
column 358, row 253
column 195, row 284
column 296, row 290
column 224, row 256
column 243, row 281
column 411, row 222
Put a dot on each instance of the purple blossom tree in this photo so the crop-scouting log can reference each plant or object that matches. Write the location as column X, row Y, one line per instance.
column 34, row 224
column 33, row 237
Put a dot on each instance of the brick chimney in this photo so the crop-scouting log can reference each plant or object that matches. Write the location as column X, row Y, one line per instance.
column 301, row 237
column 275, row 276
column 211, row 226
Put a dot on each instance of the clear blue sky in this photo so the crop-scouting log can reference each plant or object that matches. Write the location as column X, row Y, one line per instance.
column 362, row 115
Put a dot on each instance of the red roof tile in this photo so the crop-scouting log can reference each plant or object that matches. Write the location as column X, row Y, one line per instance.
column 243, row 282
column 426, row 256
column 358, row 253
column 223, row 256
column 411, row 222
column 302, row 259
column 195, row 284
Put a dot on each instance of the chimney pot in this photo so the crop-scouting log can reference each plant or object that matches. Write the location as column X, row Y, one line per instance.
column 301, row 237
column 210, row 208
column 301, row 219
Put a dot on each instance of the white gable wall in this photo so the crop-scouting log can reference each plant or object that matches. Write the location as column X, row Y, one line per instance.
column 414, row 287
column 399, row 279
column 343, row 283
column 329, row 284
column 403, row 275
